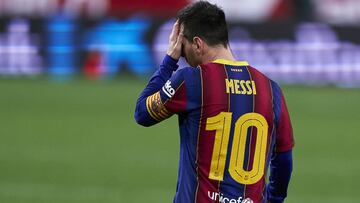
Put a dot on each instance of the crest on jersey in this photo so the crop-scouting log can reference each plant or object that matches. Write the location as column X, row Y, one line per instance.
column 156, row 108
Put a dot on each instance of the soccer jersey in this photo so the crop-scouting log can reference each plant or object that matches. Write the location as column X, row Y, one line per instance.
column 232, row 118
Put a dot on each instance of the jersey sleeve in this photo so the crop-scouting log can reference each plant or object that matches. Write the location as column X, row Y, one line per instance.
column 173, row 93
column 169, row 100
column 149, row 108
column 284, row 132
column 280, row 173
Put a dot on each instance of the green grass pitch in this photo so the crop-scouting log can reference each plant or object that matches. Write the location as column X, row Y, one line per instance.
column 77, row 142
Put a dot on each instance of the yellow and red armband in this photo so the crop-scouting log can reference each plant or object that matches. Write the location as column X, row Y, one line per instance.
column 156, row 108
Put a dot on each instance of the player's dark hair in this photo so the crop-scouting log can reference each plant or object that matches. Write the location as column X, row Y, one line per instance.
column 204, row 20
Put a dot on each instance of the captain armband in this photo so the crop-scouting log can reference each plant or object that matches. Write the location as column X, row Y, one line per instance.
column 156, row 108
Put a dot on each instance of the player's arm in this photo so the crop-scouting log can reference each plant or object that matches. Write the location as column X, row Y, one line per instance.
column 149, row 107
column 149, row 102
column 281, row 160
column 280, row 174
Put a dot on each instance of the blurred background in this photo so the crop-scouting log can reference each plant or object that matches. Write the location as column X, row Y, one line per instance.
column 71, row 71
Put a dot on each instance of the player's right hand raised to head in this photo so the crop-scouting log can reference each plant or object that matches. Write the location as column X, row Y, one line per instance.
column 175, row 41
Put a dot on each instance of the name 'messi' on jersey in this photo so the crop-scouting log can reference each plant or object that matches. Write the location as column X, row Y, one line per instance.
column 234, row 86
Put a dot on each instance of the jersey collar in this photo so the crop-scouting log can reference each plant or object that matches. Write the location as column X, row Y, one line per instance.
column 232, row 63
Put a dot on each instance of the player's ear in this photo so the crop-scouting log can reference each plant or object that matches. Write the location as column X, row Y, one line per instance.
column 198, row 44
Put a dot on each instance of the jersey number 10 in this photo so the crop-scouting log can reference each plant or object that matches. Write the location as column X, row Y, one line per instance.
column 222, row 124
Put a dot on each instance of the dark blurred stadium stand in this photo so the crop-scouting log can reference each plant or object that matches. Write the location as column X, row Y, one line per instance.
column 294, row 41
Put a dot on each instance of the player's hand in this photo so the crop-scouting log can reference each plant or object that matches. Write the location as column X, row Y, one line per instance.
column 175, row 41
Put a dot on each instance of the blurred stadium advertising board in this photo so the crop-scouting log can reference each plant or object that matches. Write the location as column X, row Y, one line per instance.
column 331, row 11
column 292, row 53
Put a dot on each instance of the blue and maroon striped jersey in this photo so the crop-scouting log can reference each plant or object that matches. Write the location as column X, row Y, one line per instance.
column 232, row 120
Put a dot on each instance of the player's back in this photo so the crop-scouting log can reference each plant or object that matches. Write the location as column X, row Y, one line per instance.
column 231, row 118
column 236, row 133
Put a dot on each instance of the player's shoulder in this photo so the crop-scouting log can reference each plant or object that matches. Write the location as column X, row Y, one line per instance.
column 274, row 84
column 254, row 71
column 188, row 72
column 214, row 64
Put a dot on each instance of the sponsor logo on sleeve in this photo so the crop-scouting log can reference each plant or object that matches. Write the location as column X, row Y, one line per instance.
column 168, row 90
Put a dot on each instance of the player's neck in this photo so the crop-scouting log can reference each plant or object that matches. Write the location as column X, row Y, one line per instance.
column 219, row 53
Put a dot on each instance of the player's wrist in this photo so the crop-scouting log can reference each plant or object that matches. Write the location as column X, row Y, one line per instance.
column 170, row 62
column 173, row 54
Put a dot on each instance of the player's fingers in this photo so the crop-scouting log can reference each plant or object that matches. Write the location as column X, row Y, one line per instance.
column 181, row 34
column 174, row 31
column 176, row 27
column 181, row 31
column 179, row 41
column 180, row 37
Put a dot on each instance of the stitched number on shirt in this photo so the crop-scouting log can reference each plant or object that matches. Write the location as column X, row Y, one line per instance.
column 222, row 123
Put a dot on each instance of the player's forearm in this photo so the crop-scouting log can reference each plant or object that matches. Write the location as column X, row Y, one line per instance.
column 280, row 173
column 155, row 84
column 160, row 76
